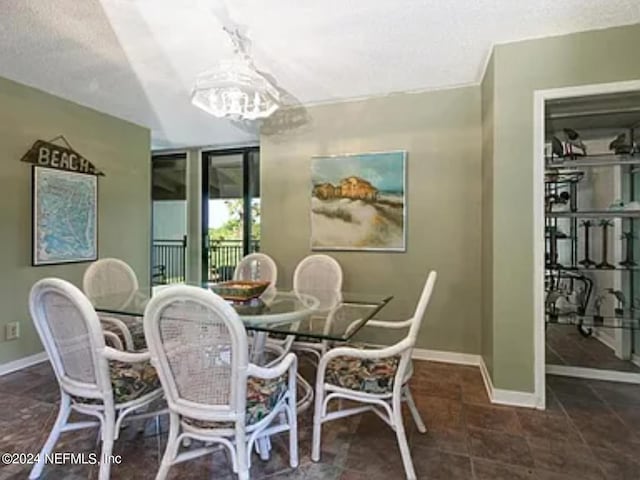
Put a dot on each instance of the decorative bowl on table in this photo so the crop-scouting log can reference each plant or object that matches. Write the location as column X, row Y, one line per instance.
column 239, row 290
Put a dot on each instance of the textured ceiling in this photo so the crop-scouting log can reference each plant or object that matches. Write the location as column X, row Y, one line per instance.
column 137, row 59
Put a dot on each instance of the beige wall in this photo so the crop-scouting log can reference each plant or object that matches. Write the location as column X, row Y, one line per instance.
column 118, row 148
column 442, row 135
column 487, row 87
column 521, row 68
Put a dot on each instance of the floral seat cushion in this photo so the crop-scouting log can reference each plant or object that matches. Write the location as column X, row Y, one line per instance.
column 137, row 334
column 129, row 381
column 262, row 397
column 362, row 374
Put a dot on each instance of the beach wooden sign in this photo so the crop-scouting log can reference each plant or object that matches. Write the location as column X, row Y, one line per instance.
column 61, row 157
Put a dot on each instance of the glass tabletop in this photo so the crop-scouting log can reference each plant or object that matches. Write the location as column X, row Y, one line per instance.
column 320, row 314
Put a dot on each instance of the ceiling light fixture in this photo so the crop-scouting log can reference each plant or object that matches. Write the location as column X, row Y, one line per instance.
column 235, row 89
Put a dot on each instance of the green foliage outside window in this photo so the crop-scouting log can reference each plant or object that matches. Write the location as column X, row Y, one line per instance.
column 231, row 230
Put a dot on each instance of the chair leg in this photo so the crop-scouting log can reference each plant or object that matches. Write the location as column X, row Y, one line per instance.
column 317, row 425
column 263, row 447
column 414, row 410
column 242, row 455
column 61, row 420
column 108, row 437
column 293, row 433
column 402, row 442
column 171, row 450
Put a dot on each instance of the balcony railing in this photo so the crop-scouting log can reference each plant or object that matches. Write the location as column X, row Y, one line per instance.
column 169, row 259
column 170, row 256
column 224, row 255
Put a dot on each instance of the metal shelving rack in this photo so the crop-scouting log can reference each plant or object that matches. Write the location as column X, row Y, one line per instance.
column 609, row 160
column 592, row 320
column 632, row 171
column 564, row 176
column 596, row 214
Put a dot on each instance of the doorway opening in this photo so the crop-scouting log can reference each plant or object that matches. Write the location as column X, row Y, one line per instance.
column 587, row 232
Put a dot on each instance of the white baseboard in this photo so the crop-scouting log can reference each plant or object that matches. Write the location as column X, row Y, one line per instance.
column 593, row 373
column 446, row 357
column 513, row 398
column 21, row 363
column 496, row 395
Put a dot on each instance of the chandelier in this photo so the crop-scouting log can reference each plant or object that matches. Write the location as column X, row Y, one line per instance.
column 235, row 89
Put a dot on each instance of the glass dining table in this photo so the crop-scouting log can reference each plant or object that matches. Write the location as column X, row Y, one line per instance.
column 313, row 314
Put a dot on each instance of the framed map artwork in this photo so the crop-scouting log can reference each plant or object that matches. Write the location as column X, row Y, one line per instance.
column 65, row 212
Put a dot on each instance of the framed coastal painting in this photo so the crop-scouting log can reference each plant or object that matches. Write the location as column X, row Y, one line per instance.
column 358, row 202
column 64, row 215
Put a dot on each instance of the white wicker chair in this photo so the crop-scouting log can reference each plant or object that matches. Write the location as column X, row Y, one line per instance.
column 377, row 378
column 258, row 266
column 115, row 278
column 321, row 277
column 198, row 344
column 94, row 379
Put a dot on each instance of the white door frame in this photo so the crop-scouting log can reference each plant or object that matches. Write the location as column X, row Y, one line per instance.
column 539, row 99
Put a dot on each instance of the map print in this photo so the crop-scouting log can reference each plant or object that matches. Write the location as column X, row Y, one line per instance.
column 64, row 216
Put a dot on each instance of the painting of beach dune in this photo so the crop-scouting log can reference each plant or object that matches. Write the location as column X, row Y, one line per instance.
column 358, row 202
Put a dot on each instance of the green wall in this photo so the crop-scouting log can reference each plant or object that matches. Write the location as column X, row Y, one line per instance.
column 470, row 193
column 487, row 87
column 118, row 148
column 441, row 133
column 519, row 69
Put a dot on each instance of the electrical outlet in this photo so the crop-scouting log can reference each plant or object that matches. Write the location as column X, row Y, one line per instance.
column 12, row 331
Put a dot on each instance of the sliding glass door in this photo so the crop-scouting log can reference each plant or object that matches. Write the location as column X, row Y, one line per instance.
column 230, row 210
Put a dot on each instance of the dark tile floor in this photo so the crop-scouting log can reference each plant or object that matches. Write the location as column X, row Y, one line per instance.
column 591, row 430
column 565, row 346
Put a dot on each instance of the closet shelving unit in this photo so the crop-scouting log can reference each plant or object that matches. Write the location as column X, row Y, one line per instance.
column 569, row 273
column 596, row 214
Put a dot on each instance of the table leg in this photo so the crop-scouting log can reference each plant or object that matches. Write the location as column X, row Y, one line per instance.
column 307, row 396
column 259, row 343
